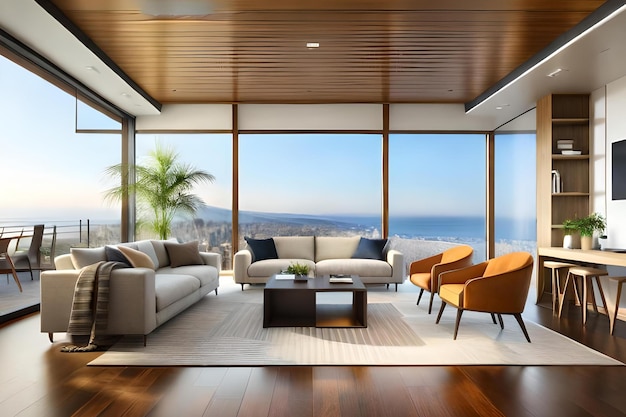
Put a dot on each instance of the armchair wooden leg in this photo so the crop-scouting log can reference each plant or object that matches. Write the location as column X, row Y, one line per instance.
column 500, row 320
column 420, row 296
column 518, row 317
column 396, row 287
column 493, row 318
column 241, row 287
column 443, row 305
column 51, row 337
column 459, row 313
column 430, row 304
column 216, row 291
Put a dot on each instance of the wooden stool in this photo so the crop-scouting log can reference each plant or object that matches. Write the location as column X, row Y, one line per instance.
column 587, row 274
column 555, row 267
column 613, row 317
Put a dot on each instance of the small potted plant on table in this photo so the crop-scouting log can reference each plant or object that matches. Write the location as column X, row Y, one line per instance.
column 300, row 271
column 586, row 226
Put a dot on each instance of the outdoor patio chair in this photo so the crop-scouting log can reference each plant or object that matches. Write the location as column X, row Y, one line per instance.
column 30, row 259
column 6, row 263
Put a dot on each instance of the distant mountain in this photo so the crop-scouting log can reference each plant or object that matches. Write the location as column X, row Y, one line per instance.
column 224, row 215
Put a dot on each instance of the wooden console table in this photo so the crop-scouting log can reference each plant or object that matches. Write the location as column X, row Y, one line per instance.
column 596, row 257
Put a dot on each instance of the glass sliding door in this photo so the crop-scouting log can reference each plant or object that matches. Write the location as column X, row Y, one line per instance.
column 437, row 192
column 515, row 193
column 55, row 175
column 310, row 184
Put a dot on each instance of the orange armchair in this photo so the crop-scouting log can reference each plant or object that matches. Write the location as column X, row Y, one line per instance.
column 497, row 286
column 425, row 272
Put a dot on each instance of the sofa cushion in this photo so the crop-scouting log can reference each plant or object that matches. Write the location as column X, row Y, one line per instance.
column 183, row 253
column 170, row 288
column 370, row 249
column 295, row 247
column 333, row 247
column 137, row 258
column 113, row 254
column 161, row 252
column 452, row 293
column 261, row 248
column 81, row 257
column 269, row 267
column 361, row 267
column 146, row 247
column 206, row 274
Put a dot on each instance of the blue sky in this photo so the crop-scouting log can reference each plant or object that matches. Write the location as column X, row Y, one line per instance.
column 58, row 174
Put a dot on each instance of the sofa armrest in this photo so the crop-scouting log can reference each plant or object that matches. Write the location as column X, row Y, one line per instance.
column 395, row 258
column 132, row 300
column 213, row 259
column 241, row 262
column 63, row 262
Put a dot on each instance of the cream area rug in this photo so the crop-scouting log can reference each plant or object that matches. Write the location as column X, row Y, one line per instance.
column 227, row 330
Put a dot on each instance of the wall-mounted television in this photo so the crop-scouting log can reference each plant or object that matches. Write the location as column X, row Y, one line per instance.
column 618, row 161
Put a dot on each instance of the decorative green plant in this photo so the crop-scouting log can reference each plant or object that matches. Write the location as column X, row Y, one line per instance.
column 162, row 188
column 569, row 227
column 298, row 269
column 587, row 225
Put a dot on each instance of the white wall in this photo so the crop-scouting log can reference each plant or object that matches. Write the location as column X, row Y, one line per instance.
column 615, row 130
column 436, row 117
column 189, row 117
column 359, row 117
column 608, row 124
column 597, row 151
column 310, row 117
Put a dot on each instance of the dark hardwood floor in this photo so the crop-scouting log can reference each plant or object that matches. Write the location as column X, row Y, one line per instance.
column 36, row 379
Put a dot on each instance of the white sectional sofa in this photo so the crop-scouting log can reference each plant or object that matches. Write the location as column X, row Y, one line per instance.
column 366, row 258
column 141, row 298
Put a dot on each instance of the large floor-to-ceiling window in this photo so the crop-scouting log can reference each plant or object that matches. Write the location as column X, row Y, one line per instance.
column 327, row 184
column 52, row 174
column 212, row 153
column 515, row 196
column 437, row 190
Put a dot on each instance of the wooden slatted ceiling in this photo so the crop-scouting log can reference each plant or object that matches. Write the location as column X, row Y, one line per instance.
column 372, row 51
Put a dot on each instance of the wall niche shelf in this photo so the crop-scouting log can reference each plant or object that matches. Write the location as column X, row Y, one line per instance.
column 561, row 116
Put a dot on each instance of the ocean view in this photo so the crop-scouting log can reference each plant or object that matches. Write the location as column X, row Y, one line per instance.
column 212, row 228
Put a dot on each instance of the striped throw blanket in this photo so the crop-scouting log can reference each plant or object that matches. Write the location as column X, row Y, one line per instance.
column 90, row 306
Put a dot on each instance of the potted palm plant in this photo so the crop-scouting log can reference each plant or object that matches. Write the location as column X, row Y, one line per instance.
column 162, row 187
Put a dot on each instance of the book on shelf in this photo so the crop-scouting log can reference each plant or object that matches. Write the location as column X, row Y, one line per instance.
column 571, row 152
column 565, row 144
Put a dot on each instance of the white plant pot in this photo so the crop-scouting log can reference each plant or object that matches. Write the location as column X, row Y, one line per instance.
column 567, row 241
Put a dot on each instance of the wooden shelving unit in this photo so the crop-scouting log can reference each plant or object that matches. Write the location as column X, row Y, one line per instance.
column 561, row 116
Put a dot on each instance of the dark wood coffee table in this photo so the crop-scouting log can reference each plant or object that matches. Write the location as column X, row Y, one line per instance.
column 288, row 303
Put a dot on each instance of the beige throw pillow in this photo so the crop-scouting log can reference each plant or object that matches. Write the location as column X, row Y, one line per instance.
column 137, row 258
column 183, row 253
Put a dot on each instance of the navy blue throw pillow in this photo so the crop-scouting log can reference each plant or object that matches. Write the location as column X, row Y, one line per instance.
column 370, row 249
column 114, row 254
column 262, row 248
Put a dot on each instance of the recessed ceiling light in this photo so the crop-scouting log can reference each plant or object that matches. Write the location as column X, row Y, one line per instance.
column 311, row 45
column 92, row 68
column 555, row 72
column 126, row 95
